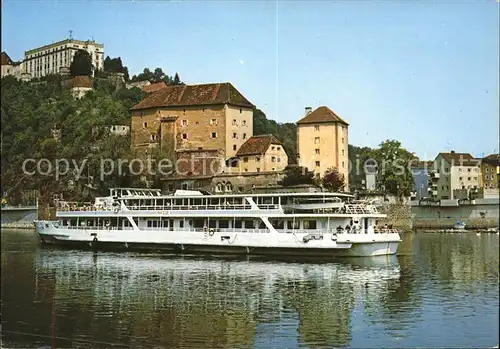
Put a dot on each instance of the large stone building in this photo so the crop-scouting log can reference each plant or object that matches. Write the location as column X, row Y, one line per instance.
column 193, row 117
column 262, row 153
column 50, row 59
column 322, row 139
column 454, row 172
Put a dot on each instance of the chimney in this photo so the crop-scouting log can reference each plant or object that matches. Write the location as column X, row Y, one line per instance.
column 453, row 152
column 308, row 110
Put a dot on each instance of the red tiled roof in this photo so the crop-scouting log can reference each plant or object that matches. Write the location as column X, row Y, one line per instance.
column 456, row 157
column 492, row 159
column 5, row 59
column 192, row 95
column 321, row 115
column 82, row 81
column 257, row 145
column 154, row 87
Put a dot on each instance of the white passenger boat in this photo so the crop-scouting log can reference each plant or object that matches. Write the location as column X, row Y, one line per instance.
column 254, row 224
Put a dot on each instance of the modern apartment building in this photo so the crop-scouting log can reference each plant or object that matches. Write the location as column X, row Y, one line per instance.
column 454, row 171
column 490, row 171
column 193, row 117
column 322, row 139
column 49, row 59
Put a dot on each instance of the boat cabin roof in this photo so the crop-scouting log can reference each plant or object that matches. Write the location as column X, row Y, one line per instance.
column 138, row 193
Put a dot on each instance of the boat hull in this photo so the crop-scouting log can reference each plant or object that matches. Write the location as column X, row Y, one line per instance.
column 233, row 243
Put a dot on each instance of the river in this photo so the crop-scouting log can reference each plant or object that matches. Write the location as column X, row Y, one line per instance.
column 442, row 290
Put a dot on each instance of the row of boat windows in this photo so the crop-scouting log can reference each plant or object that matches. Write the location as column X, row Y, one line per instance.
column 193, row 223
column 273, row 200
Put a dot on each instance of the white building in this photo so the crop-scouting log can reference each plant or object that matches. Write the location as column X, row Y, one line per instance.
column 9, row 67
column 49, row 59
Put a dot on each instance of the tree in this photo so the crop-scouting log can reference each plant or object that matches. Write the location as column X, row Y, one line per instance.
column 297, row 175
column 177, row 80
column 394, row 174
column 333, row 180
column 115, row 65
column 81, row 64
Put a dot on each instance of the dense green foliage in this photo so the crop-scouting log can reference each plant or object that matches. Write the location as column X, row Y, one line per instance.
column 81, row 64
column 157, row 76
column 297, row 175
column 42, row 121
column 115, row 65
column 333, row 180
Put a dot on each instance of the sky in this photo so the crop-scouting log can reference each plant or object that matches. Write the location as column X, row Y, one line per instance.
column 425, row 73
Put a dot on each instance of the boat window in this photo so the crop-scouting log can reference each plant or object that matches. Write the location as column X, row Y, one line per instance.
column 238, row 224
column 262, row 225
column 181, row 224
column 149, row 224
column 212, row 224
column 155, row 224
column 309, row 224
column 223, row 223
column 277, row 223
column 164, row 223
column 293, row 224
column 249, row 224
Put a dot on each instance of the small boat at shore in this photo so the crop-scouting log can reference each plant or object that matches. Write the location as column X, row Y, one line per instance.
column 459, row 225
column 293, row 224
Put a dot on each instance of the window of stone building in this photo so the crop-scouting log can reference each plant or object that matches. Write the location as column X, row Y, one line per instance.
column 487, row 170
column 235, row 122
column 218, row 187
column 257, row 158
column 229, row 187
column 245, row 159
column 342, row 152
column 244, row 122
column 184, row 122
column 184, row 136
column 278, row 148
column 244, row 136
column 342, row 139
column 273, row 169
column 153, row 137
column 278, row 159
column 316, row 128
column 246, row 169
column 342, row 164
column 316, row 151
column 316, row 140
column 235, row 135
column 468, row 170
column 196, row 123
column 468, row 178
column 213, row 122
column 145, row 125
column 317, row 163
column 234, row 146
column 258, row 169
column 273, row 158
column 214, row 134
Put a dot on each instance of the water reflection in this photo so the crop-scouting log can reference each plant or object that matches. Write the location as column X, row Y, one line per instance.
column 176, row 302
column 440, row 284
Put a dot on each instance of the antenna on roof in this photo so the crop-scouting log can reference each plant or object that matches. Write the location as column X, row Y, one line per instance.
column 71, row 35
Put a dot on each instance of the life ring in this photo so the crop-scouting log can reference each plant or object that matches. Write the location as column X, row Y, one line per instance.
column 211, row 232
column 116, row 210
column 334, row 237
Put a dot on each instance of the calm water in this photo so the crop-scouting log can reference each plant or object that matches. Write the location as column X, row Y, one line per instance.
column 442, row 291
